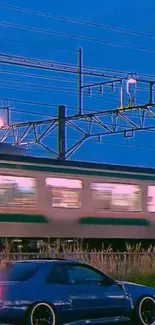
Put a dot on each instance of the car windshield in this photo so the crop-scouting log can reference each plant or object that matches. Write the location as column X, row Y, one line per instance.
column 18, row 271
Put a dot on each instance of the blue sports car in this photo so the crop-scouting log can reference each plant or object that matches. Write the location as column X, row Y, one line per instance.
column 57, row 292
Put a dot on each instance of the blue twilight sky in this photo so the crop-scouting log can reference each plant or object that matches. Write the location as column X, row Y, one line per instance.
column 21, row 84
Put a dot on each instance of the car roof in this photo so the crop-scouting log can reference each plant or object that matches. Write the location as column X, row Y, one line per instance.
column 47, row 261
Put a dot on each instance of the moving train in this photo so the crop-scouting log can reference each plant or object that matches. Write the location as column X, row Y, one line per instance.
column 45, row 198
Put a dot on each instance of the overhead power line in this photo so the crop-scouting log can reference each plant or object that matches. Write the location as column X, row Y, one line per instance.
column 37, row 79
column 55, row 66
column 67, row 50
column 77, row 21
column 30, row 112
column 49, row 88
column 42, row 77
column 17, row 85
column 107, row 122
column 51, row 66
column 29, row 42
column 47, row 77
column 76, row 37
column 107, row 97
column 30, row 102
column 36, row 76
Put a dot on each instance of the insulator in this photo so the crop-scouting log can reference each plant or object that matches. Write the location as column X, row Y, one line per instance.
column 99, row 138
column 131, row 84
column 113, row 87
column 89, row 91
column 101, row 89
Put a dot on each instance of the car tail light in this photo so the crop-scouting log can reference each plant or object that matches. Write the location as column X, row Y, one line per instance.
column 0, row 292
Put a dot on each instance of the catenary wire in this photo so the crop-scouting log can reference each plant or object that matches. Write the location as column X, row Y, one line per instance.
column 33, row 42
column 73, row 108
column 43, row 86
column 47, row 85
column 61, row 67
column 16, row 121
column 29, row 112
column 47, row 77
column 38, row 76
column 132, row 146
column 88, row 67
column 77, row 21
column 58, row 88
column 73, row 65
column 89, row 110
column 51, row 90
column 37, row 85
column 76, row 37
column 20, row 101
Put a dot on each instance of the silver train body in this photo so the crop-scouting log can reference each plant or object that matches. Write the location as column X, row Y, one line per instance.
column 41, row 197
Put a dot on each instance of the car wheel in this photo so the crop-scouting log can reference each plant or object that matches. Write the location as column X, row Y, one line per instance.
column 145, row 311
column 41, row 314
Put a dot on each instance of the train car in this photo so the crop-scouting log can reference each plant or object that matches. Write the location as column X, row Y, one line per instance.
column 42, row 197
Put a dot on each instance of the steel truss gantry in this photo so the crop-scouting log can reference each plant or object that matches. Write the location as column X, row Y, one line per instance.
column 97, row 124
column 125, row 121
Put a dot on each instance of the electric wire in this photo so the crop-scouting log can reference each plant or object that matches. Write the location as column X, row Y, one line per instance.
column 61, row 84
column 64, row 68
column 77, row 21
column 35, row 76
column 17, row 85
column 33, row 103
column 57, row 87
column 51, row 78
column 33, row 42
column 31, row 86
column 76, row 37
column 43, row 86
column 29, row 112
column 113, row 143
column 118, row 45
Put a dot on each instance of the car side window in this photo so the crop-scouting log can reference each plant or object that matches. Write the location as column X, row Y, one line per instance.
column 78, row 274
column 58, row 275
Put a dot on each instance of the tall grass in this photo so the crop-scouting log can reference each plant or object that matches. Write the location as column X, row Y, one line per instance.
column 135, row 265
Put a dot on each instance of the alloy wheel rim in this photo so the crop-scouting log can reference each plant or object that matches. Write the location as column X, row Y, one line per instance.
column 148, row 312
column 42, row 316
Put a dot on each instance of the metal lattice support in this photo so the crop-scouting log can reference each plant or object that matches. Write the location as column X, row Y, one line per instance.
column 93, row 125
column 123, row 120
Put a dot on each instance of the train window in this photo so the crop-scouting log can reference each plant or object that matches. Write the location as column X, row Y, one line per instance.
column 116, row 197
column 65, row 192
column 17, row 191
column 151, row 198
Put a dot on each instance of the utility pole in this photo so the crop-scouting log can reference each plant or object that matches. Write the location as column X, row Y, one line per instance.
column 80, row 81
column 61, row 132
column 8, row 113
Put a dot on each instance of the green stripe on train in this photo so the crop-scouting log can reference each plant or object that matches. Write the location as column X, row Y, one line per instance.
column 71, row 171
column 23, row 218
column 114, row 221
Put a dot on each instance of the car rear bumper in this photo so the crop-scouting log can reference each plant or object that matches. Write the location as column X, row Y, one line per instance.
column 12, row 315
